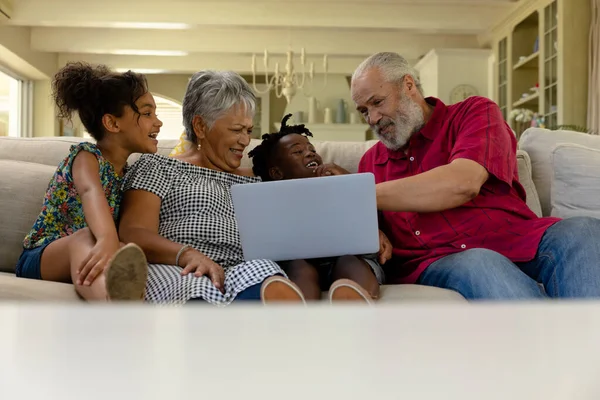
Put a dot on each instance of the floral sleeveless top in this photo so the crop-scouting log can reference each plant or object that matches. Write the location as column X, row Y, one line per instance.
column 62, row 211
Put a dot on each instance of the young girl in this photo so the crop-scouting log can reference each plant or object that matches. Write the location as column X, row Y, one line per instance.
column 288, row 154
column 74, row 239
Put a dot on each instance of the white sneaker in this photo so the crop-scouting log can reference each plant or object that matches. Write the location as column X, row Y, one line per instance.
column 278, row 289
column 347, row 290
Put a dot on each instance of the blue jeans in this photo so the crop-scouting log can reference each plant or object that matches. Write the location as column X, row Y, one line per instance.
column 567, row 264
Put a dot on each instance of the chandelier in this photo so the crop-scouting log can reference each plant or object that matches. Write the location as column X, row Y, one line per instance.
column 288, row 82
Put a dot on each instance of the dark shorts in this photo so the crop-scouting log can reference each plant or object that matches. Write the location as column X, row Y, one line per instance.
column 325, row 267
column 29, row 263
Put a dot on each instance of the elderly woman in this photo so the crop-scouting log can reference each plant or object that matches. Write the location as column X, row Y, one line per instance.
column 179, row 210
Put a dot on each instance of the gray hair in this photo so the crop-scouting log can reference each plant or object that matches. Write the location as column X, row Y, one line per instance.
column 210, row 94
column 393, row 66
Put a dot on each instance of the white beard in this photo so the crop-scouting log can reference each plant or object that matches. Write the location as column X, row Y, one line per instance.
column 409, row 120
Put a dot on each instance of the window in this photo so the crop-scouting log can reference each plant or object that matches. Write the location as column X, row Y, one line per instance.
column 10, row 107
column 169, row 112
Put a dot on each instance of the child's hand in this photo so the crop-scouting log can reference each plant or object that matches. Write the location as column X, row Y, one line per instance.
column 96, row 261
column 330, row 169
column 385, row 248
column 201, row 265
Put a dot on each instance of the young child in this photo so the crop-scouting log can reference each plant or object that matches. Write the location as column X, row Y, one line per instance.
column 288, row 154
column 75, row 239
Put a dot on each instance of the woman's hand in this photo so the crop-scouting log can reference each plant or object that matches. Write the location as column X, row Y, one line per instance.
column 200, row 265
column 96, row 261
column 385, row 248
column 330, row 169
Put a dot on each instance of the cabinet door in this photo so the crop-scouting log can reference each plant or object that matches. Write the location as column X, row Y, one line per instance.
column 550, row 88
column 502, row 84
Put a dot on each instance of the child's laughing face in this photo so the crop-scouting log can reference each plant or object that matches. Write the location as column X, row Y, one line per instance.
column 294, row 157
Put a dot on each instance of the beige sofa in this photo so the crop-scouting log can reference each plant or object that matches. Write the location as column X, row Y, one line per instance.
column 28, row 164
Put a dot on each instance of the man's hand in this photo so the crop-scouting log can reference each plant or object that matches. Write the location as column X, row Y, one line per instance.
column 200, row 265
column 385, row 248
column 330, row 169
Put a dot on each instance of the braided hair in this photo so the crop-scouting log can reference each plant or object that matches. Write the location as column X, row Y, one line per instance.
column 262, row 154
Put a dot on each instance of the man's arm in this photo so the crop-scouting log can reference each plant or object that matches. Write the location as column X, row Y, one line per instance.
column 439, row 189
column 483, row 147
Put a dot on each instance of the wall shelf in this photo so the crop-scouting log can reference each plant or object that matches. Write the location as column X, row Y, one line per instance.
column 531, row 61
column 337, row 132
column 532, row 99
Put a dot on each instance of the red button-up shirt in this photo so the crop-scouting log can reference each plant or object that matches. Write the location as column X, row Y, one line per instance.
column 497, row 219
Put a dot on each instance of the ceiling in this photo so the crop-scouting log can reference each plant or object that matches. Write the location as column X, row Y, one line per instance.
column 183, row 36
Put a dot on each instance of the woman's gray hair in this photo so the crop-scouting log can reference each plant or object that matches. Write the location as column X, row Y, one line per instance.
column 393, row 66
column 210, row 94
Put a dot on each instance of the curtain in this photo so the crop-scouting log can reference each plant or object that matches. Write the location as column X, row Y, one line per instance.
column 593, row 119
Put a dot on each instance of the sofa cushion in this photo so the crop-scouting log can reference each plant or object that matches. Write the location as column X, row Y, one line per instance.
column 539, row 143
column 47, row 151
column 524, row 166
column 575, row 187
column 21, row 289
column 345, row 154
column 22, row 189
column 417, row 293
column 52, row 150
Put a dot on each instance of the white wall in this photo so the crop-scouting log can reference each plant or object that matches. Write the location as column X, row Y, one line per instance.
column 45, row 122
column 428, row 74
column 328, row 96
column 441, row 70
column 171, row 86
column 17, row 56
column 491, row 76
column 4, row 103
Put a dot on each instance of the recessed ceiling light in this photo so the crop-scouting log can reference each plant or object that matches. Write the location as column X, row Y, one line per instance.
column 142, row 70
column 149, row 25
column 134, row 52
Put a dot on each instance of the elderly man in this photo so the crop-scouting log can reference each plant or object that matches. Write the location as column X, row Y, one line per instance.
column 450, row 199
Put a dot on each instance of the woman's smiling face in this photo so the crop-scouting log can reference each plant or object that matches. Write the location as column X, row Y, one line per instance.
column 224, row 143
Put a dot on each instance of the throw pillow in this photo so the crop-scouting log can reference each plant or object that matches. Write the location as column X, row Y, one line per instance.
column 183, row 145
column 575, row 184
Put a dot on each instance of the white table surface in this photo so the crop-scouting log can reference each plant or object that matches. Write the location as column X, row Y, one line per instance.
column 537, row 351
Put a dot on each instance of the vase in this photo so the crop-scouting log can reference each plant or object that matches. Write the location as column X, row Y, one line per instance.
column 327, row 116
column 312, row 110
column 340, row 116
column 298, row 117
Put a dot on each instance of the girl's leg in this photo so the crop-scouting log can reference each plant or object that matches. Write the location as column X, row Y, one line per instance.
column 61, row 259
column 60, row 255
column 306, row 276
column 357, row 270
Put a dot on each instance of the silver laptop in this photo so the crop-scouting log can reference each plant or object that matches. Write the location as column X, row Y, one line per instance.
column 307, row 218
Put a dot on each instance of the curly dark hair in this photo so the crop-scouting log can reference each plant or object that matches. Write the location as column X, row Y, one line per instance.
column 262, row 154
column 95, row 90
